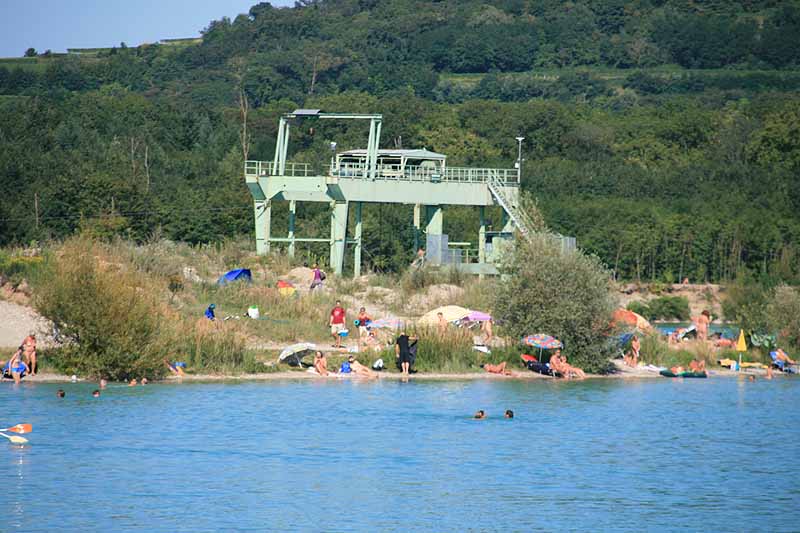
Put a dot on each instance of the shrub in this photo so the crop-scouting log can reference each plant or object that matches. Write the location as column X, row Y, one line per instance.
column 108, row 315
column 783, row 315
column 746, row 303
column 565, row 294
column 663, row 308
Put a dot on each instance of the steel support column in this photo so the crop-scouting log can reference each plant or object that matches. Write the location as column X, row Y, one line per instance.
column 292, row 213
column 435, row 225
column 338, row 235
column 357, row 253
column 262, row 212
column 417, row 225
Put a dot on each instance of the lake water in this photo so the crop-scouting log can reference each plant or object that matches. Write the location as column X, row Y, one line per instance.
column 714, row 455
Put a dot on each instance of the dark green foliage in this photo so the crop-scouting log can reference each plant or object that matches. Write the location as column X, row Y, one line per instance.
column 663, row 173
column 564, row 294
column 663, row 308
column 108, row 322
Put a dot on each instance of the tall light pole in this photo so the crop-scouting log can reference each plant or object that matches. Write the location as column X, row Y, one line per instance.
column 519, row 159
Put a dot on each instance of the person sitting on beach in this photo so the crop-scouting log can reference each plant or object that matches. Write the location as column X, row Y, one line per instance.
column 15, row 367
column 697, row 365
column 320, row 363
column 29, row 352
column 724, row 343
column 780, row 355
column 632, row 357
column 359, row 369
column 372, row 342
column 497, row 369
column 558, row 363
column 480, row 415
column 175, row 369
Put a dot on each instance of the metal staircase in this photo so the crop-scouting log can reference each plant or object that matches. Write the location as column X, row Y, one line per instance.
column 521, row 220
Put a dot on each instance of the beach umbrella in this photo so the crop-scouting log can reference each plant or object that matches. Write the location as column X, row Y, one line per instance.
column 542, row 341
column 741, row 346
column 293, row 354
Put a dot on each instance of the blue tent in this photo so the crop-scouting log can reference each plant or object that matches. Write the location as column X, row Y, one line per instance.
column 240, row 274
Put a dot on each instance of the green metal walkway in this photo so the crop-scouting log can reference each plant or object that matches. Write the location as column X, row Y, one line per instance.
column 413, row 177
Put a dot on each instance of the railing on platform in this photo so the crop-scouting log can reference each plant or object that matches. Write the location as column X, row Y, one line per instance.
column 503, row 176
column 264, row 168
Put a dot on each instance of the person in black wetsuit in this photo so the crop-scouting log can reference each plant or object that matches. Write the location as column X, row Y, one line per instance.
column 406, row 351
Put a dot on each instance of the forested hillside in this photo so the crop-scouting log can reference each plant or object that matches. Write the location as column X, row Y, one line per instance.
column 665, row 135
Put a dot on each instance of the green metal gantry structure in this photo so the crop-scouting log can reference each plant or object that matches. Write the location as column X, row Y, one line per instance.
column 411, row 177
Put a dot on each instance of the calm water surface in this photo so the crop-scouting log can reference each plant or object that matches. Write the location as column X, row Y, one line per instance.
column 694, row 455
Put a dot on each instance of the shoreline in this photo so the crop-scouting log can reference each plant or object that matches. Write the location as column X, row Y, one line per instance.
column 632, row 374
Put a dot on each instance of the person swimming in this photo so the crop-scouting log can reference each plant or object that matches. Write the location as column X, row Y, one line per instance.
column 95, row 393
column 60, row 393
column 479, row 415
column 509, row 413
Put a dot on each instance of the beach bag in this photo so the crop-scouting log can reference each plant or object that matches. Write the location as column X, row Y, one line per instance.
column 378, row 365
column 345, row 368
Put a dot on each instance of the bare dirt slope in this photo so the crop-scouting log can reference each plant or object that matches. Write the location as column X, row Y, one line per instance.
column 700, row 296
column 17, row 321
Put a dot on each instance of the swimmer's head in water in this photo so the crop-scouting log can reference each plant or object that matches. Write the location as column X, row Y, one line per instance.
column 60, row 393
column 480, row 414
column 509, row 413
column 96, row 393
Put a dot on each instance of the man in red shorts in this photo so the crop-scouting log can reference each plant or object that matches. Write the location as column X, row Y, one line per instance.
column 337, row 322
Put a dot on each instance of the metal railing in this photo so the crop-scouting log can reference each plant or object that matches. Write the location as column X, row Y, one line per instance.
column 503, row 176
column 506, row 176
column 264, row 168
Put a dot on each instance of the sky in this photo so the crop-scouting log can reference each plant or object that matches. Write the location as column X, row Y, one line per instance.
column 61, row 24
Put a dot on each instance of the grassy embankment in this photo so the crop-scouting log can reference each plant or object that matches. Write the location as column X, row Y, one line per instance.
column 150, row 298
column 178, row 281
